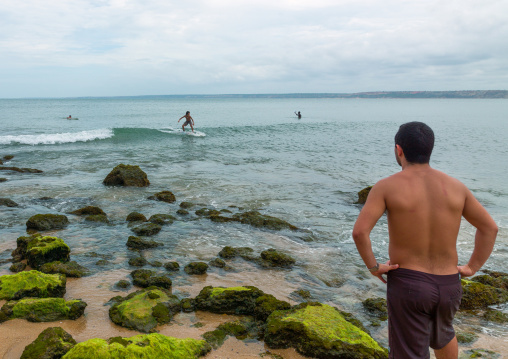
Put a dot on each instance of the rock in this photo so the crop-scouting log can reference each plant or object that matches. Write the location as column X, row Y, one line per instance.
column 22, row 170
column 8, row 202
column 38, row 250
column 8, row 157
column 496, row 316
column 259, row 220
column 162, row 219
column 17, row 267
column 363, row 194
column 136, row 217
column 275, row 258
column 186, row 205
column 70, row 269
column 3, row 179
column 126, row 175
column 147, row 229
column 123, row 284
column 196, row 268
column 145, row 309
column 302, row 293
column 206, row 212
column 164, row 196
column 477, row 295
column 182, row 212
column 46, row 222
column 146, row 278
column 320, row 331
column 223, row 219
column 498, row 281
column 52, row 343
column 172, row 266
column 188, row 305
column 217, row 262
column 102, row 262
column 479, row 353
column 139, row 243
column 376, row 307
column 98, row 218
column 239, row 300
column 44, row 309
column 32, row 284
column 232, row 252
column 89, row 210
column 244, row 328
column 156, row 264
column 466, row 337
column 154, row 346
column 138, row 262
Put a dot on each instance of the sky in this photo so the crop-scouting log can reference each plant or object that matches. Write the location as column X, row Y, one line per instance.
column 72, row 48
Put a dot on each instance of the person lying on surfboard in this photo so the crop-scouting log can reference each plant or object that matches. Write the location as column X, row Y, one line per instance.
column 188, row 121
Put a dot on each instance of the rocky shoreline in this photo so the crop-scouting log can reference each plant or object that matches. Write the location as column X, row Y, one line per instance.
column 42, row 263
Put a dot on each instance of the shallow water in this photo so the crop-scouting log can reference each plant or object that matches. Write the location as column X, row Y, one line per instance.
column 254, row 154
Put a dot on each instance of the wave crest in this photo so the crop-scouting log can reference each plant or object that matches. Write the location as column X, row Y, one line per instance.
column 57, row 138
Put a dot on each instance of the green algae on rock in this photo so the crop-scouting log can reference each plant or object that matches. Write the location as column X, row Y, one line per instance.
column 363, row 194
column 320, row 331
column 46, row 222
column 38, row 250
column 498, row 281
column 466, row 337
column 164, row 196
column 138, row 262
column 98, row 218
column 88, row 210
column 196, row 268
column 44, row 309
column 274, row 258
column 479, row 353
column 172, row 266
column 153, row 346
column 17, row 267
column 147, row 278
column 147, row 229
column 136, row 217
column 145, row 309
column 32, row 284
column 376, row 307
column 496, row 316
column 477, row 295
column 139, row 243
column 256, row 219
column 244, row 328
column 229, row 252
column 161, row 219
column 8, row 202
column 126, row 175
column 52, row 343
column 70, row 269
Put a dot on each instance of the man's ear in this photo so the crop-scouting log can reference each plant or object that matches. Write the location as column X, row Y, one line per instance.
column 399, row 150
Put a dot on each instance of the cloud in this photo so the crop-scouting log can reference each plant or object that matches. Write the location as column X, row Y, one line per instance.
column 211, row 46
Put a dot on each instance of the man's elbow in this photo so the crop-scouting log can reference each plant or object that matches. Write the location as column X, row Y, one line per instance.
column 359, row 234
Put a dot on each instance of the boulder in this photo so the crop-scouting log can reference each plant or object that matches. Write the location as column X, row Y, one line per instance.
column 126, row 175
column 147, row 229
column 21, row 170
column 466, row 337
column 496, row 316
column 320, row 331
column 8, row 202
column 138, row 262
column 172, row 266
column 256, row 219
column 17, row 267
column 145, row 309
column 217, row 262
column 46, row 222
column 495, row 280
column 98, row 218
column 273, row 258
column 3, row 179
column 479, row 353
column 8, row 157
column 147, row 278
column 38, row 250
column 88, row 210
column 363, row 194
column 140, row 346
column 136, row 217
column 139, row 243
column 164, row 196
column 123, row 284
column 162, row 219
column 52, row 343
column 182, row 212
column 376, row 307
column 186, row 205
column 229, row 252
column 206, row 212
column 477, row 295
column 196, row 268
column 44, row 309
column 241, row 329
column 32, row 284
column 70, row 269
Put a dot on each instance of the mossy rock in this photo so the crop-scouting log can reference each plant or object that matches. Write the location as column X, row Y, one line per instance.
column 301, row 294
column 186, row 205
column 156, row 264
column 89, row 210
column 17, row 267
column 477, row 295
column 126, row 175
column 39, row 250
column 274, row 258
column 217, row 262
column 146, row 278
column 139, row 243
column 196, row 268
column 153, row 346
column 182, row 212
column 147, row 229
column 21, row 170
column 44, row 309
column 479, row 353
column 206, row 212
column 138, row 262
column 188, row 305
column 466, row 337
column 499, row 281
column 496, row 316
column 241, row 329
column 8, row 202
column 164, row 196
column 223, row 219
column 8, row 157
column 70, row 269
column 145, row 309
column 376, row 307
column 52, row 343
column 3, row 179
column 162, row 219
column 320, row 331
column 136, row 217
column 32, row 284
column 98, row 218
column 102, row 262
column 229, row 252
column 246, row 300
column 123, row 284
column 363, row 194
column 47, row 222
column 172, row 266
column 256, row 219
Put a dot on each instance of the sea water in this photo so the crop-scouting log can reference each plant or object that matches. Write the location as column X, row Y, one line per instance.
column 252, row 153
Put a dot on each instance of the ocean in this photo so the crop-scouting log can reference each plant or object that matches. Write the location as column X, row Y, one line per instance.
column 252, row 153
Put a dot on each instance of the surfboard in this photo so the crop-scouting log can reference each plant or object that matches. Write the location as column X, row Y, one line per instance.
column 179, row 132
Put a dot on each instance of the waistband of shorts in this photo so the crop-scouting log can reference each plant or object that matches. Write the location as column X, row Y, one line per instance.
column 424, row 277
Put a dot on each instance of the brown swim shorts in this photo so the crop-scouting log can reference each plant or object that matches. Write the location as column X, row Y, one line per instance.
column 421, row 307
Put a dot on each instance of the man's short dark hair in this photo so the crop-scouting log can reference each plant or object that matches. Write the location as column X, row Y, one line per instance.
column 416, row 140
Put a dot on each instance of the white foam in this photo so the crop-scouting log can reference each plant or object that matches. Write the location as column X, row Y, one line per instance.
column 56, row 138
column 180, row 132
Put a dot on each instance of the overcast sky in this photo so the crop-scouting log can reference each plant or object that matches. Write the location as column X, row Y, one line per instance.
column 60, row 48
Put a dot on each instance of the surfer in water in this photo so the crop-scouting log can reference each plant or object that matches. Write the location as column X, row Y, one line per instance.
column 188, row 121
column 299, row 115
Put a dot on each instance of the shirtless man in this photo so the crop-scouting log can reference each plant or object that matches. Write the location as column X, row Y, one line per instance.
column 188, row 121
column 424, row 209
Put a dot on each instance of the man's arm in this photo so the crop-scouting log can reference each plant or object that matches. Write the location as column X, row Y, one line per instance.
column 369, row 215
column 486, row 233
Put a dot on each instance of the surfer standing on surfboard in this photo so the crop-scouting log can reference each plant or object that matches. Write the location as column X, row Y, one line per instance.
column 188, row 121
